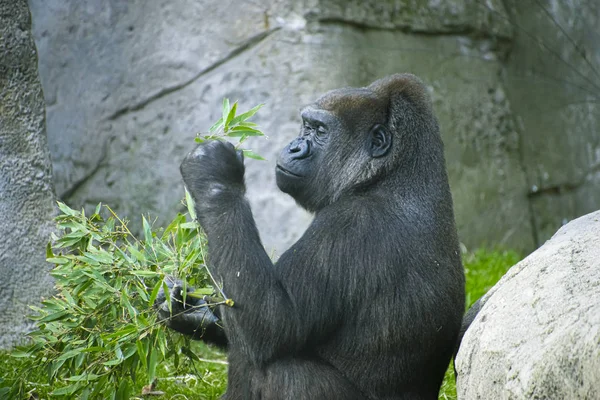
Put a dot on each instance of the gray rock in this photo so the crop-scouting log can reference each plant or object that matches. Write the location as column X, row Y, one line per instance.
column 538, row 333
column 552, row 83
column 26, row 191
column 130, row 83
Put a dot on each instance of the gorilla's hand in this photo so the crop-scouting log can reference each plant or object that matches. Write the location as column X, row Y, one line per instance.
column 192, row 317
column 178, row 306
column 214, row 168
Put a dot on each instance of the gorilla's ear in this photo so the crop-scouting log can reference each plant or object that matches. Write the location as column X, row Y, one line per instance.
column 380, row 141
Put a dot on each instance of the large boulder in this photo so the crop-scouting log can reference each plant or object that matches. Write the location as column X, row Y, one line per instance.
column 537, row 335
column 26, row 190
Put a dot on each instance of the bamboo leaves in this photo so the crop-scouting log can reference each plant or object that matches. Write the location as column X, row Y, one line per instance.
column 234, row 126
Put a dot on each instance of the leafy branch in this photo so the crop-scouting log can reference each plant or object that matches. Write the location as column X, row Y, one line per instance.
column 234, row 126
column 100, row 331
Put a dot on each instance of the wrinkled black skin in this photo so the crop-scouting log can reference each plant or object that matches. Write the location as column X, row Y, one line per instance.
column 367, row 304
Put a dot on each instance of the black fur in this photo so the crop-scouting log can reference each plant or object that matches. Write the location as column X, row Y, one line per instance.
column 368, row 303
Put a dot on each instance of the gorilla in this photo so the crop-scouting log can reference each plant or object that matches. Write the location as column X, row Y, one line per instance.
column 367, row 304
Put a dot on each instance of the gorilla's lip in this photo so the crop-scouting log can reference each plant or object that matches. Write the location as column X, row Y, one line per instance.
column 287, row 171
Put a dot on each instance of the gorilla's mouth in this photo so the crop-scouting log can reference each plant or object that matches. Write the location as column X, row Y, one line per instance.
column 286, row 171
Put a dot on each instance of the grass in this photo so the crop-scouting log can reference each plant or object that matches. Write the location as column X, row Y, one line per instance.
column 207, row 379
column 197, row 380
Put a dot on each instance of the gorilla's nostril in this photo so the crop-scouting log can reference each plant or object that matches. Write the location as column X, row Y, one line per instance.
column 299, row 148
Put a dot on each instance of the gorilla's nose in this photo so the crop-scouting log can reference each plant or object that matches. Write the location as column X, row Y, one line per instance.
column 299, row 148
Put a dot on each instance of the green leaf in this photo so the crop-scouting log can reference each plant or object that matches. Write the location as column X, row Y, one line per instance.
column 55, row 366
column 146, row 273
column 172, row 227
column 147, row 231
column 67, row 390
column 230, row 116
column 189, row 225
column 93, row 349
column 127, row 304
column 54, row 316
column 243, row 131
column 207, row 291
column 100, row 256
column 57, row 260
column 121, row 334
column 124, row 390
column 141, row 350
column 154, row 293
column 113, row 362
column 246, row 115
column 83, row 377
column 226, row 110
column 189, row 202
column 136, row 253
column 130, row 349
column 49, row 253
column 247, row 124
column 251, row 154
column 167, row 296
column 215, row 127
column 20, row 354
column 69, row 354
column 162, row 342
column 67, row 210
column 152, row 365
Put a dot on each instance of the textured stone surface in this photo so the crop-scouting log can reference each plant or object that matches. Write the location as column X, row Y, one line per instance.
column 129, row 84
column 553, row 83
column 538, row 333
column 26, row 191
column 437, row 16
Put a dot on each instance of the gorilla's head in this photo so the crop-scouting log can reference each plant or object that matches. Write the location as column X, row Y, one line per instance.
column 354, row 138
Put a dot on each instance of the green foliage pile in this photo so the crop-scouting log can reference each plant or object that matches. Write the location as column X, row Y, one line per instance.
column 100, row 329
column 99, row 333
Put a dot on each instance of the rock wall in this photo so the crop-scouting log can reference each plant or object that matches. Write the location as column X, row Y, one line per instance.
column 537, row 335
column 128, row 84
column 26, row 191
column 553, row 85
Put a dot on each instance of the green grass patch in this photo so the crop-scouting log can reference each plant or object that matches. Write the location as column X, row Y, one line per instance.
column 203, row 379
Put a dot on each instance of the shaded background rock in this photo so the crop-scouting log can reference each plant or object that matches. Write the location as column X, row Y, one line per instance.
column 537, row 335
column 26, row 191
column 128, row 84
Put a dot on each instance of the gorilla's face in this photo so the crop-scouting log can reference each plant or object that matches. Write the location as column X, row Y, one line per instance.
column 299, row 161
column 340, row 134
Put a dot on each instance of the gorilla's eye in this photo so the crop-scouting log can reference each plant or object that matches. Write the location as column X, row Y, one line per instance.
column 321, row 130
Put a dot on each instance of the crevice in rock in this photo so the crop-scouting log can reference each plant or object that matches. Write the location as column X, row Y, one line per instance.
column 561, row 188
column 520, row 153
column 246, row 45
column 530, row 210
column 64, row 196
column 458, row 30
